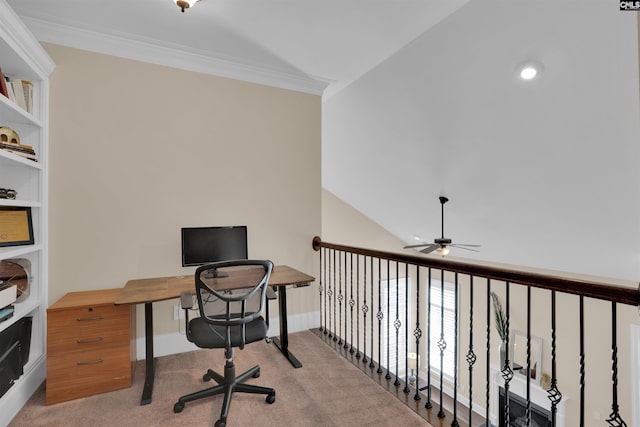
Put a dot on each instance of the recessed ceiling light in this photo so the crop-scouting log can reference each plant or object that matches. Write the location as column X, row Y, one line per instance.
column 416, row 237
column 528, row 71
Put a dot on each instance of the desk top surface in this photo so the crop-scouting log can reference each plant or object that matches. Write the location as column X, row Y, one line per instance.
column 140, row 291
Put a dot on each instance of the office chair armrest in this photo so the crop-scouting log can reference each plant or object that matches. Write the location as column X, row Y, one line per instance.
column 186, row 300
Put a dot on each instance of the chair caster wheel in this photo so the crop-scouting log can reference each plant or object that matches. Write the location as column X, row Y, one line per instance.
column 206, row 378
column 257, row 374
column 220, row 423
column 271, row 398
column 178, row 407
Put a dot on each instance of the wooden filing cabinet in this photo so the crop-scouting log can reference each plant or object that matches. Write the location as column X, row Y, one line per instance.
column 90, row 345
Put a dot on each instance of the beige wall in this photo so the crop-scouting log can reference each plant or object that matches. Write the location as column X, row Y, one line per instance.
column 345, row 225
column 139, row 151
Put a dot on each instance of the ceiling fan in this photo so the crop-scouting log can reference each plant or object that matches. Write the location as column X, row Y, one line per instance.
column 442, row 244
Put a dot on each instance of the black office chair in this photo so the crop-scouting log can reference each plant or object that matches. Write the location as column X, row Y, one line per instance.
column 228, row 318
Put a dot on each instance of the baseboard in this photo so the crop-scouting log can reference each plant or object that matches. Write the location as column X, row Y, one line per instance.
column 176, row 342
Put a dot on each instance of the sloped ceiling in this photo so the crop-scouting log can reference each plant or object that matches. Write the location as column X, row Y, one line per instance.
column 305, row 45
column 541, row 174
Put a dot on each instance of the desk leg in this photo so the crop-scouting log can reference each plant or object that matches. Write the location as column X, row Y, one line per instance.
column 150, row 361
column 283, row 342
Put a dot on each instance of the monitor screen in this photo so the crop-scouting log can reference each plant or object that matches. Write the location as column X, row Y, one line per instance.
column 202, row 245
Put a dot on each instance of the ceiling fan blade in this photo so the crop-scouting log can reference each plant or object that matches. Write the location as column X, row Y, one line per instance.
column 430, row 248
column 464, row 244
column 463, row 247
column 417, row 246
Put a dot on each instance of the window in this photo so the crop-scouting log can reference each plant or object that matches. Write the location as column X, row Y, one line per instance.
column 397, row 291
column 436, row 325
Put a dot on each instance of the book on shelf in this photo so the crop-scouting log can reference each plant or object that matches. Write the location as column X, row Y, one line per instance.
column 17, row 147
column 19, row 91
column 6, row 313
column 3, row 85
column 25, row 151
column 10, row 94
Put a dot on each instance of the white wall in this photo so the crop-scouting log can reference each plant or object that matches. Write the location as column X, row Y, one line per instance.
column 544, row 175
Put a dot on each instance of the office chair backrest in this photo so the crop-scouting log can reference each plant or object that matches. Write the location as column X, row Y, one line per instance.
column 235, row 300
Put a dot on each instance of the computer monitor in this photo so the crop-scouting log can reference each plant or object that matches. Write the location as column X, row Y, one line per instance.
column 203, row 245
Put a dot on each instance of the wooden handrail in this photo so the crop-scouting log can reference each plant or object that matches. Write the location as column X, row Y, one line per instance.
column 591, row 289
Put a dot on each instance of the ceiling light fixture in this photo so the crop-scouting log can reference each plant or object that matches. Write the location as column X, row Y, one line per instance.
column 185, row 4
column 529, row 71
column 443, row 250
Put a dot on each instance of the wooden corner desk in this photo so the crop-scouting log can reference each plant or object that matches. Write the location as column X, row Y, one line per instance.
column 148, row 291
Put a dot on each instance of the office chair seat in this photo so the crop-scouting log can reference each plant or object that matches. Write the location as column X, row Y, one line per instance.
column 229, row 317
column 206, row 335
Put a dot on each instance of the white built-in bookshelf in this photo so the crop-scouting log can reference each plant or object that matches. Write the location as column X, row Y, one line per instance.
column 21, row 55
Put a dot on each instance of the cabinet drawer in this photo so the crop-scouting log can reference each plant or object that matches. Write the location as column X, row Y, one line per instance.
column 86, row 373
column 88, row 328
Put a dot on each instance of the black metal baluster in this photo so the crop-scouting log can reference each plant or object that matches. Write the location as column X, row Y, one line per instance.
column 343, row 333
column 364, row 311
column 371, row 362
column 455, row 422
column 380, row 316
column 582, row 362
column 355, row 303
column 442, row 343
column 428, row 403
column 338, row 326
column 507, row 372
column 388, row 375
column 346, row 336
column 332, row 325
column 528, row 370
column 487, row 367
column 614, row 420
column 471, row 357
column 396, row 322
column 417, row 333
column 350, row 305
column 554, row 394
column 406, row 328
column 322, row 272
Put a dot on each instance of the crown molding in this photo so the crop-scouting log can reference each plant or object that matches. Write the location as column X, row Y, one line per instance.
column 30, row 56
column 159, row 53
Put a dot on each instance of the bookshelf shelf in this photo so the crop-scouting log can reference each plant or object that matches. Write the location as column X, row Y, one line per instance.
column 21, row 56
column 12, row 113
column 8, row 159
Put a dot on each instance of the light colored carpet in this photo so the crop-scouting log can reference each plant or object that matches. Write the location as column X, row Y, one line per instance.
column 327, row 391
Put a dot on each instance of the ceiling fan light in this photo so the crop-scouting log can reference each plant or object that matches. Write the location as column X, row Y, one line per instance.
column 443, row 250
column 185, row 4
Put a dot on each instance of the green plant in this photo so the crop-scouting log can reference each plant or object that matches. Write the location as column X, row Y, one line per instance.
column 501, row 320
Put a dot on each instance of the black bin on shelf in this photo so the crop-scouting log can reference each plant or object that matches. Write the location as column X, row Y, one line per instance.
column 15, row 342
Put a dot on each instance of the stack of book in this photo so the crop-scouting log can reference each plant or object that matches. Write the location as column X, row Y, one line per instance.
column 18, row 90
column 21, row 150
column 10, row 141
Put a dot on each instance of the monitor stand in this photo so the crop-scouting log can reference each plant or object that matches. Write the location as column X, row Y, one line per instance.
column 214, row 274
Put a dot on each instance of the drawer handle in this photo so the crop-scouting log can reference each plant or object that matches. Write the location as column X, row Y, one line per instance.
column 93, row 362
column 83, row 319
column 89, row 340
